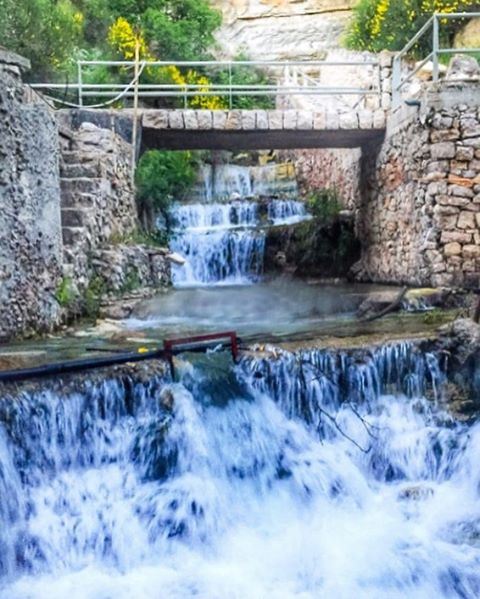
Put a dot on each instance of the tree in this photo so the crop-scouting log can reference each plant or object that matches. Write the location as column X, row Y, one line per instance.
column 44, row 31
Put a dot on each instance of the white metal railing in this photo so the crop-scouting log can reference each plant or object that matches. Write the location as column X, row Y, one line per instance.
column 279, row 72
column 399, row 79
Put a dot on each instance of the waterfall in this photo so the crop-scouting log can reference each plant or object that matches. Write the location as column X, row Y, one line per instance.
column 222, row 242
column 304, row 475
column 287, row 212
column 219, row 243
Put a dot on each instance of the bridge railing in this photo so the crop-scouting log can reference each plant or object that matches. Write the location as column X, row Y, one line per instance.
column 283, row 78
column 431, row 28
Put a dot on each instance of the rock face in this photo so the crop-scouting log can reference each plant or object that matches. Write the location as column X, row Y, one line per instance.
column 271, row 29
column 30, row 241
column 419, row 220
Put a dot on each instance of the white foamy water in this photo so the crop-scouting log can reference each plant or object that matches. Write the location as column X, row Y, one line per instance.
column 310, row 475
column 222, row 242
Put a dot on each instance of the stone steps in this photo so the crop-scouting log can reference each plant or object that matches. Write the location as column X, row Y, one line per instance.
column 81, row 170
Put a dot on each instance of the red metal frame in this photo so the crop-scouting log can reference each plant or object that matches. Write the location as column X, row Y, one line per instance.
column 169, row 344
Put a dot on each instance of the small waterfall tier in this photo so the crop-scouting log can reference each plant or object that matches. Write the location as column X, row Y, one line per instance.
column 223, row 243
column 313, row 474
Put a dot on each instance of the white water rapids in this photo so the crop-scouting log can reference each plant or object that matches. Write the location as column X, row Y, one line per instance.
column 303, row 476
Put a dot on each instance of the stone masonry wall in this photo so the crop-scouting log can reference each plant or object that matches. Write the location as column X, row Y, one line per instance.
column 419, row 220
column 334, row 169
column 30, row 234
column 97, row 195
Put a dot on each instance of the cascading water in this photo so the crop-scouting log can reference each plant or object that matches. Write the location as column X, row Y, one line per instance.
column 222, row 243
column 304, row 475
column 287, row 212
column 219, row 243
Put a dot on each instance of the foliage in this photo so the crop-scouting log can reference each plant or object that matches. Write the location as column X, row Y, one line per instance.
column 245, row 75
column 93, row 296
column 65, row 293
column 162, row 176
column 44, row 31
column 139, row 237
column 324, row 204
column 389, row 24
column 51, row 32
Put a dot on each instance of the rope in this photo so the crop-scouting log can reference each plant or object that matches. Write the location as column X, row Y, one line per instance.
column 133, row 82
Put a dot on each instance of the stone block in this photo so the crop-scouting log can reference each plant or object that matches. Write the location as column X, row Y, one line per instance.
column 443, row 150
column 205, row 119
column 320, row 119
column 464, row 153
column 234, row 120
column 459, row 237
column 471, row 130
column 219, row 119
column 447, row 200
column 452, row 249
column 470, row 251
column 348, row 120
column 290, row 119
column 440, row 135
column 305, row 120
column 446, row 222
column 365, row 119
column 175, row 119
column 332, row 119
column 466, row 220
column 261, row 120
column 379, row 119
column 248, row 120
column 461, row 191
column 155, row 119
column 190, row 118
column 275, row 119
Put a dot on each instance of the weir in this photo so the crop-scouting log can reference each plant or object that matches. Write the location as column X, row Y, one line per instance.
column 126, row 484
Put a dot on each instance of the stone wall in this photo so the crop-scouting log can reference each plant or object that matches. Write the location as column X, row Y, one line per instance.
column 30, row 240
column 333, row 169
column 419, row 220
column 97, row 194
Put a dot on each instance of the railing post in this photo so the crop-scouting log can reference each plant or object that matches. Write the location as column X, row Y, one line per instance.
column 80, row 83
column 135, row 109
column 230, row 91
column 436, row 47
column 396, row 81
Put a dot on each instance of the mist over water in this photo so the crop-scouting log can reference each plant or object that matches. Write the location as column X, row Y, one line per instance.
column 282, row 305
column 310, row 475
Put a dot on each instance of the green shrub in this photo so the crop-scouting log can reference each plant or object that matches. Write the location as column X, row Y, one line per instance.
column 245, row 75
column 162, row 176
column 324, row 204
column 389, row 24
column 65, row 294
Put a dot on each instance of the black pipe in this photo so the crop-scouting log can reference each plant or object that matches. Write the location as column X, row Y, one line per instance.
column 8, row 376
column 56, row 368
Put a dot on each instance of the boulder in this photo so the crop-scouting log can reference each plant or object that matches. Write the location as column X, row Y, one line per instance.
column 463, row 67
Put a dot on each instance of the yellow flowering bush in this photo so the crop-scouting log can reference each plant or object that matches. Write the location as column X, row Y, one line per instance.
column 389, row 24
column 123, row 38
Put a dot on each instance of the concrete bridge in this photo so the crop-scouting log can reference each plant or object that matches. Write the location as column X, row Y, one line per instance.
column 241, row 129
